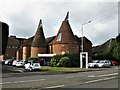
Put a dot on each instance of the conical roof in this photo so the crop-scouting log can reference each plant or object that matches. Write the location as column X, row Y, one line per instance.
column 65, row 34
column 39, row 38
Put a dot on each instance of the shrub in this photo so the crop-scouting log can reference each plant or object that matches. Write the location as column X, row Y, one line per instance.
column 54, row 60
column 73, row 60
column 32, row 58
column 64, row 62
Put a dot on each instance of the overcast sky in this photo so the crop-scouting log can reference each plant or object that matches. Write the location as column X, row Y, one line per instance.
column 23, row 17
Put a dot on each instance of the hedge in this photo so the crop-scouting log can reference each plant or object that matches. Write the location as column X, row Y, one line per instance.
column 73, row 60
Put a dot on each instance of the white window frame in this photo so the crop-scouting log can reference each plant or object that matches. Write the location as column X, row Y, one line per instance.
column 59, row 38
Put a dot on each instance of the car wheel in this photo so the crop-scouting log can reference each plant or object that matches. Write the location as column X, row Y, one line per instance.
column 103, row 66
column 30, row 69
column 95, row 66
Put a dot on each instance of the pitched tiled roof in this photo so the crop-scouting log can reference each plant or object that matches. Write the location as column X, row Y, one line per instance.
column 50, row 39
column 65, row 34
column 103, row 47
column 28, row 41
column 39, row 39
column 13, row 41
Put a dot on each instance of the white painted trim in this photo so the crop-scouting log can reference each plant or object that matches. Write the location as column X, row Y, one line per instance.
column 46, row 55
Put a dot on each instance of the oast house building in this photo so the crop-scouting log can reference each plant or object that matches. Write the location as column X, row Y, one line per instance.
column 65, row 42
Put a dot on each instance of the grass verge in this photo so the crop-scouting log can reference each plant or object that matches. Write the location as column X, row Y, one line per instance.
column 44, row 68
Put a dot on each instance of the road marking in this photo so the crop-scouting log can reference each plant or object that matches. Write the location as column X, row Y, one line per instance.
column 70, row 77
column 100, row 80
column 56, row 86
column 109, row 78
column 93, row 81
column 23, row 81
column 108, row 74
column 91, row 76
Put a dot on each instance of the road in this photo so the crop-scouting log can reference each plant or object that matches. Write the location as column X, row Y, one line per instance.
column 107, row 78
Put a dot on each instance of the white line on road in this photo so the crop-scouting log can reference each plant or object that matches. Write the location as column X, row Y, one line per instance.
column 100, row 80
column 69, row 76
column 56, row 86
column 108, row 74
column 23, row 81
column 93, row 81
column 91, row 76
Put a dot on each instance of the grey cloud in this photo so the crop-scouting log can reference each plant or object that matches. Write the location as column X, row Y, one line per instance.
column 24, row 23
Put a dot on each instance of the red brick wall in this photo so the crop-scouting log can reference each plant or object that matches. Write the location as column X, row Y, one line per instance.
column 88, row 48
column 67, row 48
column 10, row 53
column 36, row 50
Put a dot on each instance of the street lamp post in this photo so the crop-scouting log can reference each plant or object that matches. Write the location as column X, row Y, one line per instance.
column 82, row 49
column 82, row 36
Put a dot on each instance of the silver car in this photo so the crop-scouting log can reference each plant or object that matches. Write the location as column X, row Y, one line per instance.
column 104, row 63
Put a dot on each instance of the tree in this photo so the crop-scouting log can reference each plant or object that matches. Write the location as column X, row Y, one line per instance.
column 116, row 51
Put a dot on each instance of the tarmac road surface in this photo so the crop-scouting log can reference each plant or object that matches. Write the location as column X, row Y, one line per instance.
column 46, row 80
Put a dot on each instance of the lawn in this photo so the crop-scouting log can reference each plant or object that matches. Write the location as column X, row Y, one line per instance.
column 45, row 68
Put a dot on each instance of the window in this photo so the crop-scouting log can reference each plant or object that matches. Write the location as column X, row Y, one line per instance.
column 59, row 37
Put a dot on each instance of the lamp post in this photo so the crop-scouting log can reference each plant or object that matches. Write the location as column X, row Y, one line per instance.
column 82, row 49
column 82, row 35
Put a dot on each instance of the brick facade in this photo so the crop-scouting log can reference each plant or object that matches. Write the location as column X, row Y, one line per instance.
column 36, row 50
column 65, row 48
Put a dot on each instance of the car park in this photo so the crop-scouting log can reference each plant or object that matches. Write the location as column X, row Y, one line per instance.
column 114, row 62
column 7, row 61
column 20, row 63
column 32, row 65
column 104, row 63
column 10, row 62
column 14, row 62
column 93, row 63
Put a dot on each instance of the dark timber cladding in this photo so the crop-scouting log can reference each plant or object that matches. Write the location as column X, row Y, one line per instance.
column 39, row 39
column 65, row 34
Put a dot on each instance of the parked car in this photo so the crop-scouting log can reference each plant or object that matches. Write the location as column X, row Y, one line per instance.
column 10, row 62
column 31, row 65
column 104, row 63
column 14, row 62
column 93, row 63
column 6, row 61
column 20, row 63
column 114, row 62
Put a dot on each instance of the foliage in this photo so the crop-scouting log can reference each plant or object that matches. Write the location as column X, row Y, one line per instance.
column 112, row 52
column 73, row 62
column 32, row 58
column 54, row 60
column 64, row 62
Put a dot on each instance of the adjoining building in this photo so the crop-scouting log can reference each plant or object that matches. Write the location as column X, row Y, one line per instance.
column 4, row 32
column 12, row 47
column 65, row 42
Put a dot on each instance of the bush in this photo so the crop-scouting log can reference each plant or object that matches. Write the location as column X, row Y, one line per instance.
column 64, row 62
column 32, row 58
column 74, row 60
column 54, row 60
